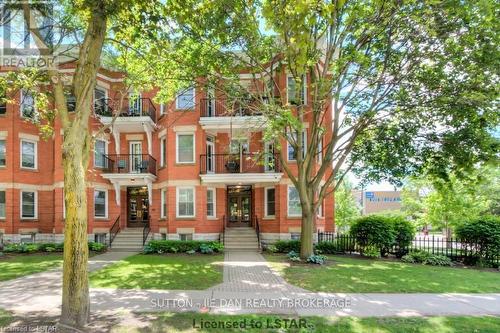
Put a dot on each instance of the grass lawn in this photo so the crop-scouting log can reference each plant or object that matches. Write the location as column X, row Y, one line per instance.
column 5, row 318
column 170, row 271
column 346, row 274
column 184, row 322
column 15, row 266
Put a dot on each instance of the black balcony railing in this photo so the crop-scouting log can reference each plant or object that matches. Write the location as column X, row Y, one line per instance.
column 127, row 107
column 129, row 163
column 239, row 163
column 224, row 108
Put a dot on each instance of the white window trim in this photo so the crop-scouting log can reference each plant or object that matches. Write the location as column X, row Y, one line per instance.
column 177, row 147
column 214, row 191
column 21, row 105
column 177, row 99
column 102, row 89
column 105, row 152
column 162, row 109
column 163, row 201
column 319, row 157
column 303, row 87
column 64, row 205
column 288, row 203
column 4, row 139
column 163, row 159
column 304, row 146
column 320, row 209
column 21, row 205
column 21, row 154
column 266, row 213
column 106, row 204
column 177, row 201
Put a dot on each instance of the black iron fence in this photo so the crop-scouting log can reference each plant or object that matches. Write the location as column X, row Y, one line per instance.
column 129, row 163
column 452, row 248
column 236, row 163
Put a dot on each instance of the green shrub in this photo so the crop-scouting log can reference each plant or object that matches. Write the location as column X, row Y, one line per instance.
column 174, row 246
column 374, row 230
column 404, row 233
column 51, row 247
column 191, row 252
column 482, row 233
column 327, row 247
column 317, row 259
column 12, row 248
column 285, row 246
column 292, row 254
column 426, row 258
column 97, row 247
column 371, row 252
column 271, row 249
column 206, row 249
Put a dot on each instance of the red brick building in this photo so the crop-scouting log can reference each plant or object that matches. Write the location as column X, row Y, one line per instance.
column 188, row 170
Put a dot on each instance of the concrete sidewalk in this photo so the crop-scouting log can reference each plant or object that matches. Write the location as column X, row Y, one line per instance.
column 249, row 286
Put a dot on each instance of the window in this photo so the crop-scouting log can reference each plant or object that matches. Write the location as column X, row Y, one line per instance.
column 64, row 205
column 211, row 202
column 163, row 151
column 294, row 208
column 320, row 210
column 3, row 153
column 185, row 202
column 320, row 151
column 291, row 154
column 28, row 109
column 100, row 106
column 163, row 208
column 100, row 154
column 70, row 101
column 186, row 237
column 163, row 236
column 185, row 99
column 185, row 148
column 3, row 104
column 100, row 203
column 295, row 95
column 295, row 235
column 28, row 154
column 2, row 204
column 28, row 205
column 162, row 109
column 27, row 238
column 100, row 238
column 269, row 199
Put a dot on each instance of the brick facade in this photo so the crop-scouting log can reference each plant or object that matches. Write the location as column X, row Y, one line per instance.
column 47, row 178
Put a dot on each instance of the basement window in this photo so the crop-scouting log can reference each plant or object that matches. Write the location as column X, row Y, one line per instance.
column 100, row 238
column 186, row 237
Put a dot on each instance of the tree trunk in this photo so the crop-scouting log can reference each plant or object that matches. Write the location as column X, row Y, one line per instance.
column 306, row 235
column 75, row 292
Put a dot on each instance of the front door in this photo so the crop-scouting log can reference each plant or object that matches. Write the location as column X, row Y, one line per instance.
column 210, row 154
column 135, row 149
column 138, row 207
column 239, row 204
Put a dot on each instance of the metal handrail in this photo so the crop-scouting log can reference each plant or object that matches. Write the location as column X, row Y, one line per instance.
column 236, row 163
column 223, row 229
column 219, row 107
column 145, row 233
column 140, row 107
column 114, row 230
column 129, row 163
column 257, row 230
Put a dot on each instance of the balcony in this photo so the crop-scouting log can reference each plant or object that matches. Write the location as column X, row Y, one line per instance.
column 222, row 115
column 245, row 168
column 130, row 170
column 139, row 107
column 132, row 116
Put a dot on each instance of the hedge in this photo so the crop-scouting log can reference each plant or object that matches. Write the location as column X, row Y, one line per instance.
column 374, row 231
column 483, row 235
column 47, row 247
column 174, row 246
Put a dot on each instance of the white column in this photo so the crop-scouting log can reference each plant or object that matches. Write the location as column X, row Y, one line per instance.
column 149, row 184
column 116, row 135
column 116, row 185
column 149, row 136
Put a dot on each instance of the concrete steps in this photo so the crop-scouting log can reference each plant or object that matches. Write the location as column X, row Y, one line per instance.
column 128, row 240
column 241, row 239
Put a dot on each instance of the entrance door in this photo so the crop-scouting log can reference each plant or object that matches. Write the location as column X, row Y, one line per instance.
column 210, row 154
column 239, row 204
column 270, row 163
column 135, row 149
column 135, row 105
column 138, row 207
column 211, row 103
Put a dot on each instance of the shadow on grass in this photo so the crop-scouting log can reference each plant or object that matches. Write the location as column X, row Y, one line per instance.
column 14, row 266
column 172, row 272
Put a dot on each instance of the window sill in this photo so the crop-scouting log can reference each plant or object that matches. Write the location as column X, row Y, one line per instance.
column 27, row 219
column 101, row 219
column 162, row 219
column 212, row 218
column 268, row 218
column 29, row 169
column 185, row 163
column 162, row 167
column 294, row 217
column 186, row 218
column 183, row 110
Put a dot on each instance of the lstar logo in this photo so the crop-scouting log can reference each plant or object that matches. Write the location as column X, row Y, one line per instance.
column 27, row 31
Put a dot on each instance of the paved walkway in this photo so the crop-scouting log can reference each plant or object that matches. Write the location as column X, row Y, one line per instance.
column 249, row 286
